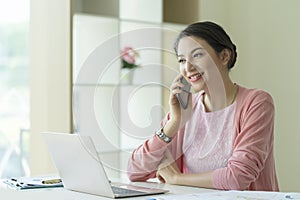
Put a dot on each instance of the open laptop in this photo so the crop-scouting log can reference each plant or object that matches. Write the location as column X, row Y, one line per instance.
column 80, row 167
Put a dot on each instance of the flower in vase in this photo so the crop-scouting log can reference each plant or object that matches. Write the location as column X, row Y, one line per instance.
column 129, row 57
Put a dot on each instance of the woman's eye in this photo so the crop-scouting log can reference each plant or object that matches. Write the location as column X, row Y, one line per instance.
column 181, row 60
column 198, row 55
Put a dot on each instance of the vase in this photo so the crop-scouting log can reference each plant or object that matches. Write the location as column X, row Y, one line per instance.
column 127, row 76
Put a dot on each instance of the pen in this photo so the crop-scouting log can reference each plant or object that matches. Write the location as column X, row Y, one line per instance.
column 51, row 181
column 292, row 196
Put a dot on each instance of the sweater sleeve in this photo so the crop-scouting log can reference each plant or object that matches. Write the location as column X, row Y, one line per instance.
column 252, row 145
column 145, row 159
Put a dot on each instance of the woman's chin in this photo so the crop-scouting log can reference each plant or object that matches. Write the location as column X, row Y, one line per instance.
column 197, row 87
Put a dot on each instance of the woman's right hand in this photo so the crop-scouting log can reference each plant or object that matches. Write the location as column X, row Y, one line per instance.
column 178, row 115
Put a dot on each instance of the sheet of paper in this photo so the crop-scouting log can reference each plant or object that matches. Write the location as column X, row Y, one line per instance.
column 237, row 195
column 33, row 182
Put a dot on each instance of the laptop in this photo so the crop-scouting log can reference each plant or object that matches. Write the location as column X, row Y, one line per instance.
column 80, row 167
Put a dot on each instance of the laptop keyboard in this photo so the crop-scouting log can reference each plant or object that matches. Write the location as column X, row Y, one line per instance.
column 123, row 191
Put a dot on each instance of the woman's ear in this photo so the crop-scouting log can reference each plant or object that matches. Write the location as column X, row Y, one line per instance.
column 225, row 56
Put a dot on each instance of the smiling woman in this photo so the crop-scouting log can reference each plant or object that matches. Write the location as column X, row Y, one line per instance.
column 14, row 88
column 224, row 138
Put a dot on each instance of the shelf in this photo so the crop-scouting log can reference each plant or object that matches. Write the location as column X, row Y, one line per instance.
column 122, row 116
column 97, row 7
column 182, row 12
column 152, row 11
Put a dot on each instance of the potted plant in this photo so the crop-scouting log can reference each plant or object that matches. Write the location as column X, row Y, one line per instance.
column 128, row 64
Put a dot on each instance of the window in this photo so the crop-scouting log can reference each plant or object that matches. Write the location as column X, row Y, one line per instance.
column 14, row 88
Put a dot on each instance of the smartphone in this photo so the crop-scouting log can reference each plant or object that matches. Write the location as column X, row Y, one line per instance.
column 183, row 97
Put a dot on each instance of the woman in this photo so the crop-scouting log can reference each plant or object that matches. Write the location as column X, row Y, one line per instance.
column 224, row 139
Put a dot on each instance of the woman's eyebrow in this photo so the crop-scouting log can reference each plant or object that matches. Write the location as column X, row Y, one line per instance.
column 191, row 51
column 196, row 49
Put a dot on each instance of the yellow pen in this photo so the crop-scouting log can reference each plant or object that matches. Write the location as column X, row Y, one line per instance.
column 51, row 181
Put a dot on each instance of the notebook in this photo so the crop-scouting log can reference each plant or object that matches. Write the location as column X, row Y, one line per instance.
column 81, row 169
column 23, row 183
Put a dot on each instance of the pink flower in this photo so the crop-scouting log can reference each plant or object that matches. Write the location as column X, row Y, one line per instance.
column 129, row 54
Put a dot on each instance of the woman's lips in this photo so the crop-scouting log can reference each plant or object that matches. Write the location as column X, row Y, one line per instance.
column 195, row 77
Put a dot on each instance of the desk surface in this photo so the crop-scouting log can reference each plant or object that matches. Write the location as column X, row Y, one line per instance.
column 63, row 194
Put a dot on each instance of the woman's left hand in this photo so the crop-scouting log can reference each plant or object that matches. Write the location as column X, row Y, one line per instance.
column 168, row 173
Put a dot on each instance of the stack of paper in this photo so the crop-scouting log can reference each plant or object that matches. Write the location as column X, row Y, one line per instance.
column 33, row 182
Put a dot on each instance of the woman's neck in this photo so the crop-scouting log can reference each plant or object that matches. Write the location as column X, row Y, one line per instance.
column 218, row 98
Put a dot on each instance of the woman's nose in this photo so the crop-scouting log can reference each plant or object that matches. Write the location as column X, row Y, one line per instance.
column 189, row 66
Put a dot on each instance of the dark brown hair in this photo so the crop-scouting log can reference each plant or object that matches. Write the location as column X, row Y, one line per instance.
column 214, row 35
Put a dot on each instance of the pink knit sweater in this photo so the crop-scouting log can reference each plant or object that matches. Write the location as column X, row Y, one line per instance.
column 251, row 165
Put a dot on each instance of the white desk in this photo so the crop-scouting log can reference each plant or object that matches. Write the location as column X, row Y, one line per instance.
column 63, row 194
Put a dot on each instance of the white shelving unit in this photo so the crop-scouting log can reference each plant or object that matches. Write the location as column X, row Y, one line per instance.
column 119, row 117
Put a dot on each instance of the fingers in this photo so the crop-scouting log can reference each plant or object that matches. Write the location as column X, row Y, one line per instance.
column 177, row 78
column 161, row 179
column 177, row 86
column 166, row 174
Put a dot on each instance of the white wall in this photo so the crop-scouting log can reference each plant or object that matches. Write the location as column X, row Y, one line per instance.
column 267, row 37
column 50, row 76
